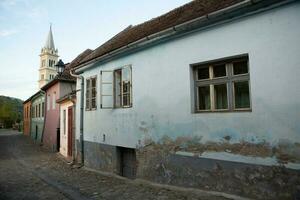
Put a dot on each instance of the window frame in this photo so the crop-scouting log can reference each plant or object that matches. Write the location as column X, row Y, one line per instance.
column 114, row 94
column 53, row 106
column 130, row 87
column 90, row 108
column 229, row 80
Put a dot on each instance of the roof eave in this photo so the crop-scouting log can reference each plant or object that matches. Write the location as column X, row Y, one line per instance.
column 242, row 9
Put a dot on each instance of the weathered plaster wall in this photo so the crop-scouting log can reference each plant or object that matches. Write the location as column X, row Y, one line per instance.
column 161, row 124
column 162, row 87
column 52, row 118
column 66, row 88
column 157, row 164
column 100, row 156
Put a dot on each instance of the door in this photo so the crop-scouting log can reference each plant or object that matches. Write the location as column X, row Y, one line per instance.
column 70, row 130
column 36, row 133
column 128, row 162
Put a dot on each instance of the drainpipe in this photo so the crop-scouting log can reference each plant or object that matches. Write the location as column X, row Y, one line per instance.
column 81, row 115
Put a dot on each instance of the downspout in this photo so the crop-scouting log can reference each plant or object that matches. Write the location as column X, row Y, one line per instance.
column 81, row 115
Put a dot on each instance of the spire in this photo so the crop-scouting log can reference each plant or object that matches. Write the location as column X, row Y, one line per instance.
column 49, row 42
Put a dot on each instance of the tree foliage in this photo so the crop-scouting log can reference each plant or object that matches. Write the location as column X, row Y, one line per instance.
column 11, row 111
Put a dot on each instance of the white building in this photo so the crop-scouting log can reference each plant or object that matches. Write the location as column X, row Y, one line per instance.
column 205, row 85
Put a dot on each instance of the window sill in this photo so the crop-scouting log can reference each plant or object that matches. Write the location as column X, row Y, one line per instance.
column 92, row 109
column 223, row 111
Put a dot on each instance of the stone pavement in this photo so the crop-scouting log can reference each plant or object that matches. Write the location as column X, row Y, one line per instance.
column 27, row 171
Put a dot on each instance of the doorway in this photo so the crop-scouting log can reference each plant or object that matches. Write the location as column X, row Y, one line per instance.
column 127, row 162
column 70, row 130
column 36, row 133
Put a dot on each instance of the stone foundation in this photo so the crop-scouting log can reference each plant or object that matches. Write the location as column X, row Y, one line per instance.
column 157, row 163
column 100, row 156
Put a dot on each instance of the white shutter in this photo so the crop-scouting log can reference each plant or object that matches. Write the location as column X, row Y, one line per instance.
column 106, row 90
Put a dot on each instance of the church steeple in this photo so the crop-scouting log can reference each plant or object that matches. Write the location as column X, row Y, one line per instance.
column 49, row 42
column 49, row 57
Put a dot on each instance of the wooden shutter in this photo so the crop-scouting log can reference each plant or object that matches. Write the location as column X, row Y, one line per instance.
column 106, row 90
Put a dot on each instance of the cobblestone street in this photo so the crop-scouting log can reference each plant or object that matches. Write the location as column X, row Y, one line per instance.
column 27, row 171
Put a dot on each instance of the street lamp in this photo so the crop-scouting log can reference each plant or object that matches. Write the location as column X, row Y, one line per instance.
column 60, row 66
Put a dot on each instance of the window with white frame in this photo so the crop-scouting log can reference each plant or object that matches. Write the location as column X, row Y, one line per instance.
column 222, row 85
column 48, row 102
column 116, row 88
column 53, row 100
column 91, row 90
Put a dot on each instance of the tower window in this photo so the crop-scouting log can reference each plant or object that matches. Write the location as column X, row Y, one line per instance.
column 43, row 63
column 42, row 77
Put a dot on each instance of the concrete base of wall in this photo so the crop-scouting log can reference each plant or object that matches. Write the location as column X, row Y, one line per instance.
column 100, row 157
column 255, row 181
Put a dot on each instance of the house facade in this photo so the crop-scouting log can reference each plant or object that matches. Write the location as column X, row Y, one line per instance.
column 67, row 125
column 37, row 116
column 26, row 117
column 57, row 88
column 67, row 109
column 204, row 102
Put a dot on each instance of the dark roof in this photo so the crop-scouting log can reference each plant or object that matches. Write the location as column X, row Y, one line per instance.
column 65, row 75
column 35, row 94
column 187, row 12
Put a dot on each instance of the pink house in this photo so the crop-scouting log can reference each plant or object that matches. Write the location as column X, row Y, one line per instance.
column 61, row 85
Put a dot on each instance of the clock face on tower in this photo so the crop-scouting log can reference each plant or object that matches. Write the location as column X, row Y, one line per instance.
column 48, row 59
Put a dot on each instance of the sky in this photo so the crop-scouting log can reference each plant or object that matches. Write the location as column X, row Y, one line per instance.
column 76, row 25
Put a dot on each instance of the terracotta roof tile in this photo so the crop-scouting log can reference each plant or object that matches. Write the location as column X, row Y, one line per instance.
column 187, row 12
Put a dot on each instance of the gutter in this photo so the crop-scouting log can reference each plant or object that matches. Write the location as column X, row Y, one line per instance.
column 81, row 115
column 211, row 19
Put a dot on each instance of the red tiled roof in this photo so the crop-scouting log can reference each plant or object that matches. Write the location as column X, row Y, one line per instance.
column 66, row 73
column 187, row 12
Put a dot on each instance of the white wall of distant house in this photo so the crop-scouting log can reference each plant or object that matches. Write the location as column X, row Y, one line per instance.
column 162, row 85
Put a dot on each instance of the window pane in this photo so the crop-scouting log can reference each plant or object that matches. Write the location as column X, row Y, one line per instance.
column 219, row 70
column 126, row 100
column 204, row 98
column 241, row 94
column 93, row 82
column 221, row 96
column 126, row 86
column 117, row 75
column 94, row 103
column 93, row 92
column 87, row 83
column 240, row 67
column 87, row 103
column 126, row 73
column 203, row 73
